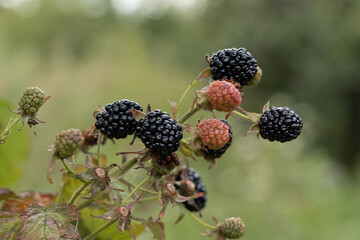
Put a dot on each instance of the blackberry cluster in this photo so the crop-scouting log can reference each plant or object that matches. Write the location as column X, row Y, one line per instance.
column 160, row 133
column 233, row 64
column 32, row 99
column 117, row 121
column 280, row 124
column 218, row 153
column 197, row 203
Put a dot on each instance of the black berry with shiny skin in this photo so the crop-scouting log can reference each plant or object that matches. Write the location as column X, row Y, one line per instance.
column 233, row 64
column 199, row 187
column 117, row 121
column 280, row 124
column 160, row 133
column 210, row 153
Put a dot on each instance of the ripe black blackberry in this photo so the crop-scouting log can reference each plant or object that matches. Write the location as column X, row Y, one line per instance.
column 190, row 186
column 210, row 153
column 280, row 124
column 117, row 120
column 233, row 64
column 160, row 133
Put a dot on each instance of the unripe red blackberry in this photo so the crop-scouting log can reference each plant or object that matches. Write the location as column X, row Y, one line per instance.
column 223, row 96
column 280, row 124
column 68, row 142
column 216, row 153
column 232, row 228
column 117, row 120
column 190, row 186
column 160, row 133
column 216, row 136
column 32, row 99
column 233, row 64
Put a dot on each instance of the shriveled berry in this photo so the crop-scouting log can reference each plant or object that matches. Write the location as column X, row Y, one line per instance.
column 232, row 228
column 117, row 120
column 280, row 124
column 190, row 186
column 160, row 133
column 223, row 96
column 233, row 64
column 67, row 142
column 32, row 99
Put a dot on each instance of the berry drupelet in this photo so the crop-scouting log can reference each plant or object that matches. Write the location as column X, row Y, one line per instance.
column 190, row 186
column 216, row 136
column 233, row 64
column 160, row 133
column 117, row 120
column 280, row 124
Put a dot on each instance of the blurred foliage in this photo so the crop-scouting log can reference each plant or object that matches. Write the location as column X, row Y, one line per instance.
column 88, row 52
column 14, row 155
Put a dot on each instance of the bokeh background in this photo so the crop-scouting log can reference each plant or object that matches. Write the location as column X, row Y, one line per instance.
column 89, row 52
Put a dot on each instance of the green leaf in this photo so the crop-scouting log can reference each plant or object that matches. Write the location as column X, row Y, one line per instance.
column 50, row 223
column 14, row 153
column 10, row 224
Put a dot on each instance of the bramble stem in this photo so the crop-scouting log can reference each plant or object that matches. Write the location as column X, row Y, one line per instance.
column 98, row 148
column 77, row 193
column 243, row 116
column 191, row 112
column 196, row 218
column 148, row 199
column 9, row 127
column 187, row 91
column 133, row 185
column 72, row 173
column 100, row 229
column 135, row 189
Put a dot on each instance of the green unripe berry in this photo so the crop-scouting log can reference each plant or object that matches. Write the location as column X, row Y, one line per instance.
column 68, row 142
column 32, row 99
column 233, row 228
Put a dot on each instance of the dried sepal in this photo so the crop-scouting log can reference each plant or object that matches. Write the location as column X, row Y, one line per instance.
column 206, row 73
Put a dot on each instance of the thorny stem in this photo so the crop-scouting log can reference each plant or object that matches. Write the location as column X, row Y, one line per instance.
column 196, row 218
column 72, row 173
column 133, row 185
column 187, row 91
column 77, row 193
column 243, row 116
column 98, row 148
column 191, row 112
column 9, row 127
column 135, row 189
column 148, row 199
column 100, row 229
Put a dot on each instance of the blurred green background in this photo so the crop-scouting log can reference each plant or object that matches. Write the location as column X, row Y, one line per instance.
column 89, row 52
